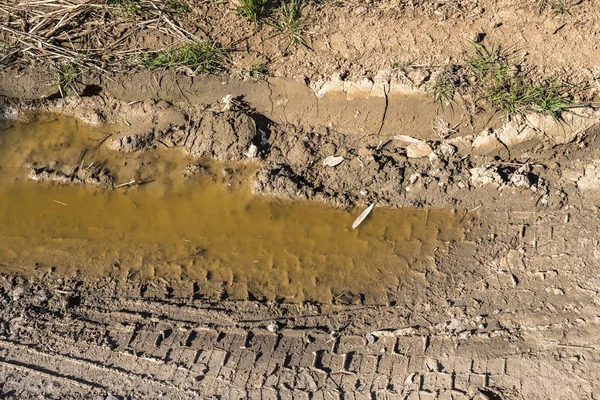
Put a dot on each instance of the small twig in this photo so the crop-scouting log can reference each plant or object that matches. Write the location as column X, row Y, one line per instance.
column 573, row 346
column 163, row 143
column 130, row 183
column 199, row 252
column 385, row 109
column 558, row 29
column 133, row 182
column 104, row 139
column 469, row 212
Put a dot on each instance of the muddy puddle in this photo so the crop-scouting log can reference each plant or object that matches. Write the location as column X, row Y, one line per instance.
column 192, row 220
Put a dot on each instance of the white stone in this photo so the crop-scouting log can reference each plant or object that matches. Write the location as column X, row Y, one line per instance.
column 418, row 150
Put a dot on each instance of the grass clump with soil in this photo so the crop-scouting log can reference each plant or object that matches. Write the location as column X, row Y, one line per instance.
column 502, row 83
column 290, row 23
column 252, row 10
column 67, row 76
column 443, row 89
column 492, row 79
column 206, row 56
column 560, row 7
column 257, row 70
column 175, row 7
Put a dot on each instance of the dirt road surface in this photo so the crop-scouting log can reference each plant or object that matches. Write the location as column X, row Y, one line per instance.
column 478, row 272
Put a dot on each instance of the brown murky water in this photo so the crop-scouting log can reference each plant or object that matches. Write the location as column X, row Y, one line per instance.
column 208, row 227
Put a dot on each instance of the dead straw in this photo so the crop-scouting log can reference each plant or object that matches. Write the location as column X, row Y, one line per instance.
column 93, row 35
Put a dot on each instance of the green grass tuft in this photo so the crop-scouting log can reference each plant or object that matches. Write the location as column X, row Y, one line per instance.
column 519, row 96
column 257, row 70
column 395, row 65
column 560, row 7
column 126, row 8
column 443, row 89
column 290, row 23
column 485, row 62
column 402, row 66
column 67, row 77
column 176, row 7
column 502, row 83
column 252, row 10
column 206, row 56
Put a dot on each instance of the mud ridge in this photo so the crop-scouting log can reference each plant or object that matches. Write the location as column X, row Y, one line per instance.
column 519, row 165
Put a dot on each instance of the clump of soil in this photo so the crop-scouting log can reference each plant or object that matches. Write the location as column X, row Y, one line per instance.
column 225, row 136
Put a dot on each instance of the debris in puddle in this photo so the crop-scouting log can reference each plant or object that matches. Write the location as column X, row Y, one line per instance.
column 133, row 182
column 362, row 216
column 197, row 252
column 60, row 202
column 10, row 267
column 333, row 161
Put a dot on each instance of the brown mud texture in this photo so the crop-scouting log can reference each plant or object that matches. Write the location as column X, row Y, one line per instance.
column 504, row 307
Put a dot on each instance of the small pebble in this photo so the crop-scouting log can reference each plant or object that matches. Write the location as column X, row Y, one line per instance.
column 371, row 339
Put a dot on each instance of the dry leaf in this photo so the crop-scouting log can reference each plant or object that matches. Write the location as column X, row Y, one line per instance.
column 227, row 100
column 332, row 161
column 407, row 139
column 362, row 216
column 416, row 150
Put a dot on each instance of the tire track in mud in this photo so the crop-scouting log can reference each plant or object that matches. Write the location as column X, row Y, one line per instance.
column 44, row 371
column 99, row 367
column 159, row 355
column 485, row 336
